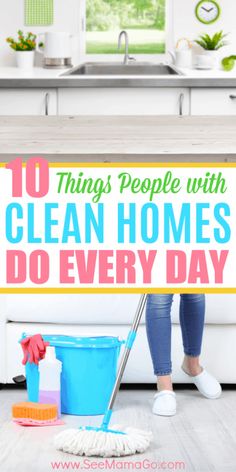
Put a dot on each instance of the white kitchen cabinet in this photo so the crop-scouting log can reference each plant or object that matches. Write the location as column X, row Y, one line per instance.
column 123, row 101
column 28, row 102
column 213, row 101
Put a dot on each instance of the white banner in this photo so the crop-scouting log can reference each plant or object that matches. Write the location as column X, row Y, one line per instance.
column 126, row 227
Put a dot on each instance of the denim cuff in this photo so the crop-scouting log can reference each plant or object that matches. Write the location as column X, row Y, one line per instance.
column 160, row 374
column 192, row 354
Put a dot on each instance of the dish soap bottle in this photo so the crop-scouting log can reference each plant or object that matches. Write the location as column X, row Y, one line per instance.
column 50, row 379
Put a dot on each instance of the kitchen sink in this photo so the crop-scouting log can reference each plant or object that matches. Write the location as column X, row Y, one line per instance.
column 88, row 69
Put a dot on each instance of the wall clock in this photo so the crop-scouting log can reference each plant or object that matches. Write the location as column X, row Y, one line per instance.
column 207, row 11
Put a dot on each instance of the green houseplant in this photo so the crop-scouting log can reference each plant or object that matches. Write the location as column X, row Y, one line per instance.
column 24, row 47
column 212, row 44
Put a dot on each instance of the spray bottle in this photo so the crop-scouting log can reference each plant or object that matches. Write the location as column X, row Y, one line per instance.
column 50, row 379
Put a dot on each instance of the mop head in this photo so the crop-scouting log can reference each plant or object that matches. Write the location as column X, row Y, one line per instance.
column 97, row 442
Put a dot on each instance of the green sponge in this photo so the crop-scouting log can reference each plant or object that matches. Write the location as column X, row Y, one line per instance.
column 228, row 63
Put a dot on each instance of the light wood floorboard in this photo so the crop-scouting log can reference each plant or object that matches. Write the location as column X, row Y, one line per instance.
column 202, row 435
column 119, row 138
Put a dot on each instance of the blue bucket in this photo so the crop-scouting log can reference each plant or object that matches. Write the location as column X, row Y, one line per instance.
column 89, row 366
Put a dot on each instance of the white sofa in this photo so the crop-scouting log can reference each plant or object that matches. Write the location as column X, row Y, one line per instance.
column 112, row 314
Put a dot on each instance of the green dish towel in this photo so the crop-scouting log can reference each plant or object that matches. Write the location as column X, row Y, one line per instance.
column 38, row 12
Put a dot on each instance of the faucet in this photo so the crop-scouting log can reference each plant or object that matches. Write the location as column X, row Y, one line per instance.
column 127, row 58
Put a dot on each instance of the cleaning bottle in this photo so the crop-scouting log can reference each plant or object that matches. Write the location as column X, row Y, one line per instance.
column 50, row 379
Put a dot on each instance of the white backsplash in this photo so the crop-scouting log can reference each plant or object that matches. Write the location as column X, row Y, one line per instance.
column 66, row 18
column 186, row 24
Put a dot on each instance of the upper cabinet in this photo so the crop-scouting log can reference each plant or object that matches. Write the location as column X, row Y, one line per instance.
column 28, row 102
column 213, row 101
column 123, row 101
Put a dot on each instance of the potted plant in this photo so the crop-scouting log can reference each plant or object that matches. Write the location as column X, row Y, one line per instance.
column 24, row 47
column 212, row 44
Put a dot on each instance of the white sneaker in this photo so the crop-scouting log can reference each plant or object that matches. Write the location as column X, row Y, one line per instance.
column 207, row 385
column 164, row 403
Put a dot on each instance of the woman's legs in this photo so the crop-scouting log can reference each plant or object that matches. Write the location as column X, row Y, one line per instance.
column 158, row 325
column 192, row 311
column 192, row 314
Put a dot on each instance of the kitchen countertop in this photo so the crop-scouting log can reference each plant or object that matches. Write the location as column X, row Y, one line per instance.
column 120, row 138
column 12, row 77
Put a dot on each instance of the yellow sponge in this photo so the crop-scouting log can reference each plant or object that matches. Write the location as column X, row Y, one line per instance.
column 34, row 411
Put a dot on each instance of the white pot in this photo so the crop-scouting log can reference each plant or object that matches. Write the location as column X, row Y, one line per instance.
column 25, row 59
column 214, row 58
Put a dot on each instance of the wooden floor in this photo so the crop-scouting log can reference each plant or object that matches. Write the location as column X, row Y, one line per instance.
column 202, row 436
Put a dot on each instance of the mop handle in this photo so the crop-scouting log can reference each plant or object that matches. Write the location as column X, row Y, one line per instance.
column 125, row 357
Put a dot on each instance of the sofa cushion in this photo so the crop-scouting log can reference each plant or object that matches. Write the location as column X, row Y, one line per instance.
column 103, row 309
column 81, row 309
column 218, row 353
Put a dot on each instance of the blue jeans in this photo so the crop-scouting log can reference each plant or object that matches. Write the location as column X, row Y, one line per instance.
column 158, row 325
